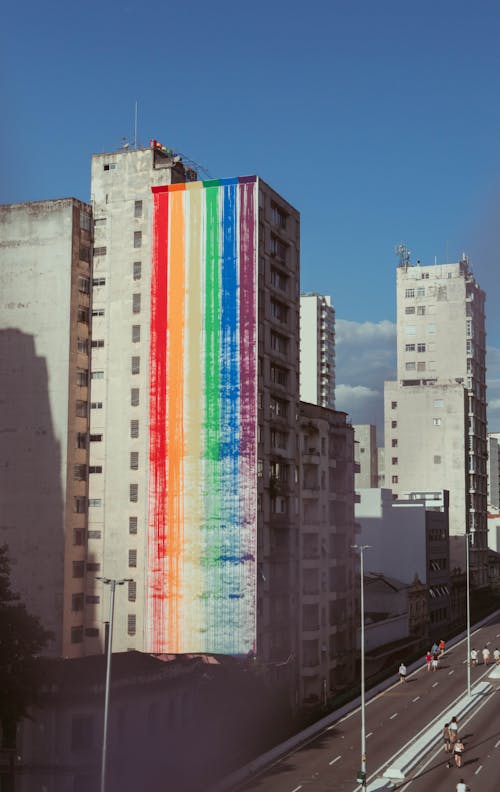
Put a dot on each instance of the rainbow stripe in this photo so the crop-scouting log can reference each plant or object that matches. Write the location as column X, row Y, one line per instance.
column 202, row 521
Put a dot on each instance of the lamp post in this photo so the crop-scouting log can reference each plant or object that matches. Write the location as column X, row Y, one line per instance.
column 467, row 566
column 113, row 582
column 362, row 773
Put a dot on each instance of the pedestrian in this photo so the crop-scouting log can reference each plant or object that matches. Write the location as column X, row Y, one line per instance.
column 435, row 662
column 441, row 647
column 486, row 655
column 462, row 786
column 473, row 656
column 496, row 656
column 428, row 660
column 435, row 648
column 458, row 751
column 402, row 673
column 446, row 738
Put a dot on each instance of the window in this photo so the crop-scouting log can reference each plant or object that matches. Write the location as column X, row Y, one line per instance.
column 81, row 440
column 98, row 282
column 410, row 330
column 136, row 303
column 278, row 505
column 278, row 280
column 76, row 635
column 421, row 366
column 97, row 343
column 132, row 525
column 394, row 442
column 278, row 248
column 92, row 599
column 278, row 439
column 410, row 293
column 394, row 479
column 421, row 310
column 82, row 345
column 110, row 166
column 137, row 208
column 132, row 591
column 94, row 534
column 84, row 254
column 279, row 311
column 82, row 314
column 134, row 397
column 97, row 375
column 100, row 251
column 136, row 270
column 93, row 567
column 438, row 402
column 132, row 558
column 82, row 378
column 409, row 347
column 410, row 366
column 134, row 493
column 279, row 343
column 431, row 329
column 78, row 569
column 394, row 424
column 437, row 460
column 96, row 405
column 137, row 239
column 279, row 376
column 436, row 421
column 420, row 291
column 420, row 347
column 134, row 460
column 278, row 407
column 135, row 366
column 97, row 312
column 136, row 333
column 95, row 503
column 81, row 408
column 83, row 284
column 80, row 472
column 278, row 216
column 80, row 504
column 134, row 428
column 410, row 309
column 394, row 404
column 394, row 461
column 131, row 622
column 95, row 469
column 77, row 602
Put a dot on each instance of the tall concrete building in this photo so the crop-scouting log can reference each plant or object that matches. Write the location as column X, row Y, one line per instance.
column 366, row 456
column 45, row 279
column 435, row 414
column 194, row 376
column 494, row 470
column 329, row 582
column 317, row 350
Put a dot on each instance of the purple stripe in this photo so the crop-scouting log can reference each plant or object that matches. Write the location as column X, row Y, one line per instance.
column 248, row 396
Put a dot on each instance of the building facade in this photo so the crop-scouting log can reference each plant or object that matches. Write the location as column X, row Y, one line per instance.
column 328, row 581
column 317, row 350
column 45, row 283
column 194, row 396
column 435, row 414
column 493, row 471
column 365, row 454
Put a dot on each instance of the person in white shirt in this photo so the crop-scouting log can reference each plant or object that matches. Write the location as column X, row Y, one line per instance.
column 473, row 656
column 402, row 673
column 486, row 655
column 496, row 655
column 462, row 786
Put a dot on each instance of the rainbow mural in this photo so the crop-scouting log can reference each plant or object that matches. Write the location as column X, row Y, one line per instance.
column 202, row 525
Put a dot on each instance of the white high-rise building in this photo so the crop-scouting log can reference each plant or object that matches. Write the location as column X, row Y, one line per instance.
column 435, row 413
column 494, row 470
column 317, row 350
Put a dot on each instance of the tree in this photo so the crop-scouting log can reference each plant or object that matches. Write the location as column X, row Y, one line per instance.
column 22, row 637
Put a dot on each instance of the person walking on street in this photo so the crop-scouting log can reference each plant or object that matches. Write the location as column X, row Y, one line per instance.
column 496, row 656
column 486, row 655
column 435, row 648
column 428, row 660
column 446, row 738
column 402, row 673
column 462, row 786
column 435, row 662
column 473, row 656
column 441, row 647
column 453, row 733
column 458, row 751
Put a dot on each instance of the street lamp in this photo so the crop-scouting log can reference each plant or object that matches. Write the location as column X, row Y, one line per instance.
column 113, row 582
column 362, row 773
column 467, row 565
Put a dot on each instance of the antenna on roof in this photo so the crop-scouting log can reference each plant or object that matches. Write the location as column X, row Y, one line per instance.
column 403, row 255
column 135, row 125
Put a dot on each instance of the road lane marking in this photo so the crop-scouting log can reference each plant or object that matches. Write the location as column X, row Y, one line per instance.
column 497, row 744
column 393, row 716
column 435, row 683
column 369, row 734
column 335, row 760
column 331, row 727
column 478, row 769
column 416, row 698
column 451, row 672
column 297, row 788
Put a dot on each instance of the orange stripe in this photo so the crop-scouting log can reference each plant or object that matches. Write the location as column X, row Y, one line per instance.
column 175, row 418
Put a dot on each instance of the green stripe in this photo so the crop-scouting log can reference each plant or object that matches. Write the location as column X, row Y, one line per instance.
column 212, row 327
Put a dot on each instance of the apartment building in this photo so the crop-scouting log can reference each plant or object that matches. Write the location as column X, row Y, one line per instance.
column 365, row 455
column 329, row 584
column 45, row 277
column 317, row 350
column 494, row 470
column 435, row 414
column 194, row 383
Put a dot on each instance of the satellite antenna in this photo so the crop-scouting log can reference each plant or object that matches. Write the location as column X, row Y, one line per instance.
column 403, row 255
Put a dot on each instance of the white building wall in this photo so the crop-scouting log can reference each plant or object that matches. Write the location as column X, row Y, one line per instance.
column 493, row 470
column 365, row 450
column 317, row 350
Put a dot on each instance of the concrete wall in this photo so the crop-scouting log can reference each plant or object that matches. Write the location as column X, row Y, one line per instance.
column 317, row 344
column 366, row 455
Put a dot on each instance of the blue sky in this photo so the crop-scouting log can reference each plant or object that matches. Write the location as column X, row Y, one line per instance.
column 379, row 121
